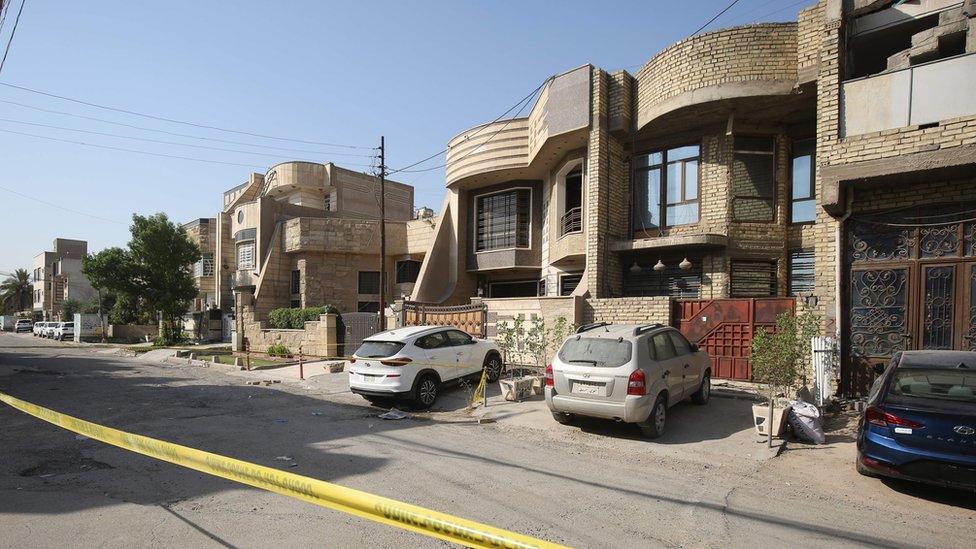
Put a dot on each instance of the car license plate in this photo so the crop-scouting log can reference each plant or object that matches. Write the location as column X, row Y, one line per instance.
column 586, row 388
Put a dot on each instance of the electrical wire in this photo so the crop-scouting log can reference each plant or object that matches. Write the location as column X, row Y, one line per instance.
column 712, row 20
column 13, row 31
column 53, row 205
column 186, row 135
column 115, row 135
column 111, row 148
column 761, row 17
column 183, row 122
column 479, row 130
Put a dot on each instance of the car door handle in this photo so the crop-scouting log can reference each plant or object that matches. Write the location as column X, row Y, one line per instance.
column 666, row 373
column 687, row 365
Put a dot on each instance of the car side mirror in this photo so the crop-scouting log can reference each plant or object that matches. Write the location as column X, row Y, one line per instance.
column 694, row 347
column 879, row 368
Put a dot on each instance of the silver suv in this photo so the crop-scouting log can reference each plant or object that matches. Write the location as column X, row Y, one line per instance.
column 628, row 373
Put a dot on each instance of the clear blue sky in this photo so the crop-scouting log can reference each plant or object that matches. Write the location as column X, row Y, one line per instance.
column 418, row 72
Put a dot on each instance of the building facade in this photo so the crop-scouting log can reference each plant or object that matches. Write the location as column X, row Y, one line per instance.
column 832, row 159
column 57, row 277
column 307, row 235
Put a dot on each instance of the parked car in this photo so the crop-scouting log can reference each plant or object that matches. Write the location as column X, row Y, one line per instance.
column 23, row 325
column 38, row 328
column 920, row 420
column 412, row 363
column 64, row 330
column 627, row 373
column 49, row 328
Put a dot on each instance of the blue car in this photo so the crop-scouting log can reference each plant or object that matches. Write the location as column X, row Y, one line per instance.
column 920, row 422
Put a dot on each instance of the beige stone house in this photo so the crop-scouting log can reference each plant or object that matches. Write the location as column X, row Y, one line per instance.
column 307, row 234
column 57, row 277
column 832, row 159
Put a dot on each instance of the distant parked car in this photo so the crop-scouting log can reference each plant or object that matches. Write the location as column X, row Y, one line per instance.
column 627, row 373
column 49, row 328
column 920, row 422
column 412, row 363
column 23, row 325
column 38, row 328
column 64, row 330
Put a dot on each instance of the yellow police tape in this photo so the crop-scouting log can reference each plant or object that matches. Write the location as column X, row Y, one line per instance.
column 355, row 502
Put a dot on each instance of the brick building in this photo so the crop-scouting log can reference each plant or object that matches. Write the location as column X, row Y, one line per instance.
column 307, row 235
column 57, row 277
column 832, row 159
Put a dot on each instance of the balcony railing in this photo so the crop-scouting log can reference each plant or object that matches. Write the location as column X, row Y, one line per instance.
column 241, row 280
column 572, row 221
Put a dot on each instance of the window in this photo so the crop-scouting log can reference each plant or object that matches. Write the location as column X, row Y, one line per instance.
column 407, row 271
column 296, row 303
column 568, row 283
column 432, row 341
column 543, row 287
column 572, row 220
column 801, row 272
column 673, row 281
column 666, row 187
column 368, row 306
column 245, row 256
column 378, row 349
column 296, row 281
column 661, row 347
column 457, row 337
column 754, row 179
column 515, row 288
column 369, row 282
column 804, row 198
column 595, row 351
column 681, row 345
column 753, row 279
column 502, row 220
column 204, row 267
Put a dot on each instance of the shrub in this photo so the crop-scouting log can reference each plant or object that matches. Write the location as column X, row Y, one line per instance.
column 162, row 341
column 296, row 318
column 278, row 350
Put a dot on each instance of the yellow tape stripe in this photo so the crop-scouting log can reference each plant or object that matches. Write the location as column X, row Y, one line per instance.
column 355, row 502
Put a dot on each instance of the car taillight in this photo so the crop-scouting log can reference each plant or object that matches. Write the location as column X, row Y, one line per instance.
column 877, row 416
column 549, row 379
column 635, row 385
column 396, row 361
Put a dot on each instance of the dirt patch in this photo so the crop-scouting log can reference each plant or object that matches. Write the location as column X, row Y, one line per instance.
column 53, row 467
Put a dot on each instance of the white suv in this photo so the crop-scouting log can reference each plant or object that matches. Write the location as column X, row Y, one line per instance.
column 627, row 373
column 412, row 362
column 64, row 330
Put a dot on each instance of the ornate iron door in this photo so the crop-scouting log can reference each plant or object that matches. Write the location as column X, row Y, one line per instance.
column 968, row 327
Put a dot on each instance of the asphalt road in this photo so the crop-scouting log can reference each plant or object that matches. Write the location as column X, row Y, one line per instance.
column 597, row 487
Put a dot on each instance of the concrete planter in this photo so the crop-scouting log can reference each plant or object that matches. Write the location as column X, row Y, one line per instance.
column 760, row 413
column 516, row 389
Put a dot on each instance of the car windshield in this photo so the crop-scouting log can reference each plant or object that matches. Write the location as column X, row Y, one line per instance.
column 378, row 349
column 940, row 384
column 600, row 352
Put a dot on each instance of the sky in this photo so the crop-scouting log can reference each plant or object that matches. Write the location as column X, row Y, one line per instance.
column 309, row 72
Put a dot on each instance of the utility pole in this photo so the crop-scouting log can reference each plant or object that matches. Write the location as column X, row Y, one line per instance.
column 382, row 319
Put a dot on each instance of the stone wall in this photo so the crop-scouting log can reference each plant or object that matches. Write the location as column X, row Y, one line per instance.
column 546, row 308
column 132, row 332
column 319, row 337
column 628, row 310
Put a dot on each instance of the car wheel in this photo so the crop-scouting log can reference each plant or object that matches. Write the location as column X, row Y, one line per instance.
column 426, row 391
column 704, row 390
column 494, row 367
column 653, row 426
column 562, row 417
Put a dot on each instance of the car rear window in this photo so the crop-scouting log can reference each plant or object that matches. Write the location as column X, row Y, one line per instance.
column 592, row 351
column 378, row 349
column 940, row 384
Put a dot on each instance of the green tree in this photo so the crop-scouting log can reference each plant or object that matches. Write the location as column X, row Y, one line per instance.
column 106, row 271
column 160, row 259
column 16, row 291
column 68, row 309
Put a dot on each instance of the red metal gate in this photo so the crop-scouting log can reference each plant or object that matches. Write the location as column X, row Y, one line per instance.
column 723, row 328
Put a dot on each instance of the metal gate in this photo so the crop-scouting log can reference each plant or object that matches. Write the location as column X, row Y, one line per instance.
column 356, row 328
column 472, row 318
column 724, row 327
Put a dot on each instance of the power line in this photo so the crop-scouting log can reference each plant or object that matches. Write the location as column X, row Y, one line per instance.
column 13, row 31
column 93, row 132
column 184, row 122
column 479, row 130
column 774, row 12
column 719, row 14
column 108, row 147
column 53, row 205
column 186, row 135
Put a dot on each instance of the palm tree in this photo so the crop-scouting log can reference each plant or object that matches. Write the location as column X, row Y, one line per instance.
column 16, row 291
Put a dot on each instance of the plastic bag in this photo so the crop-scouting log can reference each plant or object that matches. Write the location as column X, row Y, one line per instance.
column 806, row 422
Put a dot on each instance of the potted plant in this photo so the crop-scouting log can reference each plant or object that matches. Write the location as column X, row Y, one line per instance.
column 778, row 354
column 531, row 348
